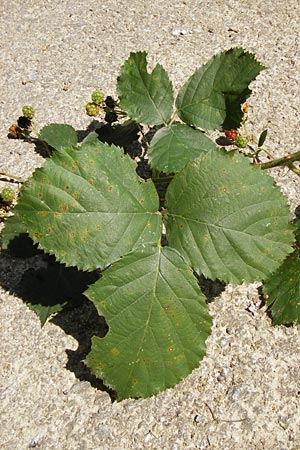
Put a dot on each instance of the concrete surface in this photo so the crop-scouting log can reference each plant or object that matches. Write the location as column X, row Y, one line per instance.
column 246, row 393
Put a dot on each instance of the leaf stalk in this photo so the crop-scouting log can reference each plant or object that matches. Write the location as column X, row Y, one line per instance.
column 286, row 161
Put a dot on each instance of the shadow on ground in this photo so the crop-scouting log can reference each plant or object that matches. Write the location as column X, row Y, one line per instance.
column 55, row 293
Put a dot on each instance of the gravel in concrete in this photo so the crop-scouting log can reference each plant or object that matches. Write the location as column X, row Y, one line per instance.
column 246, row 393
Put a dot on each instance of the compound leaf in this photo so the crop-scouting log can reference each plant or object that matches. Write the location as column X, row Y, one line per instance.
column 58, row 135
column 227, row 218
column 146, row 97
column 282, row 289
column 213, row 95
column 88, row 207
column 158, row 323
column 171, row 148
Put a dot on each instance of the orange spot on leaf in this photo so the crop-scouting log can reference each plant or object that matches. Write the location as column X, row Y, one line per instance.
column 74, row 165
column 63, row 207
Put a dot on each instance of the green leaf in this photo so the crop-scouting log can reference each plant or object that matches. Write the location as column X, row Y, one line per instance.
column 13, row 228
column 158, row 323
column 146, row 97
column 282, row 289
column 49, row 291
column 89, row 207
column 212, row 97
column 58, row 135
column 227, row 218
column 15, row 239
column 262, row 138
column 171, row 148
column 91, row 137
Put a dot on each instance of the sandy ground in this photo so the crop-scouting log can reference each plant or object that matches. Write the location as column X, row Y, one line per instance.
column 246, row 393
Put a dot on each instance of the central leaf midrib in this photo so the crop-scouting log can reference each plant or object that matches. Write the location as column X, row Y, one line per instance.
column 148, row 93
column 63, row 213
column 201, row 99
column 149, row 315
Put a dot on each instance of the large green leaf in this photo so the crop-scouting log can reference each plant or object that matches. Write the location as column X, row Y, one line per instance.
column 58, row 135
column 213, row 95
column 158, row 323
column 88, row 207
column 171, row 148
column 147, row 97
column 227, row 218
column 282, row 289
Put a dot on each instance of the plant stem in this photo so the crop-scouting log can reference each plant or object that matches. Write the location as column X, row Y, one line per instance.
column 284, row 161
column 294, row 169
column 172, row 120
column 11, row 177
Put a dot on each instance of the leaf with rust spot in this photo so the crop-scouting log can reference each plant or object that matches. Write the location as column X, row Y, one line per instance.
column 158, row 323
column 110, row 217
column 222, row 221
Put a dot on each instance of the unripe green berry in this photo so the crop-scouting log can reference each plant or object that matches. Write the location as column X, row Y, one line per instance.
column 92, row 109
column 97, row 97
column 241, row 141
column 28, row 112
column 8, row 195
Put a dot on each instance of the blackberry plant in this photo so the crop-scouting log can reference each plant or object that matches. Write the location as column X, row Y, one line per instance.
column 154, row 203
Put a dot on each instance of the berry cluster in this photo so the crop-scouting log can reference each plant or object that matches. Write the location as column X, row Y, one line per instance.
column 239, row 140
column 22, row 129
column 231, row 134
column 28, row 112
column 93, row 108
column 97, row 97
column 8, row 195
